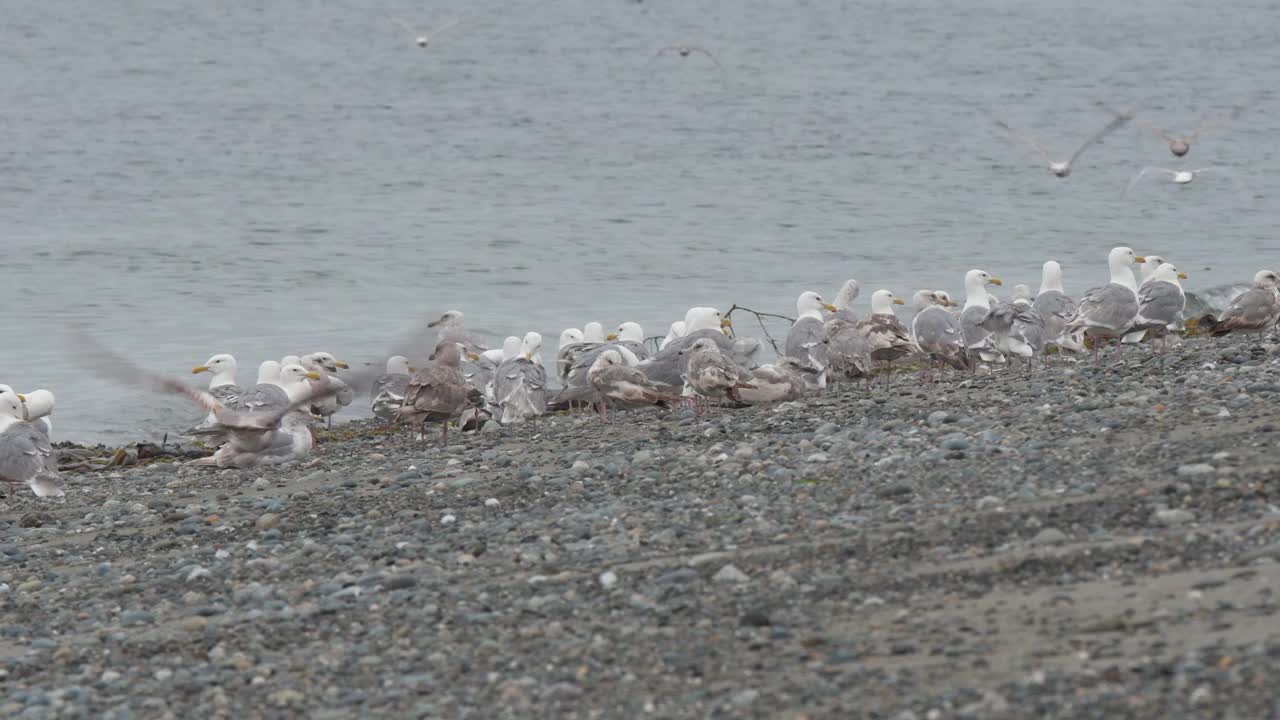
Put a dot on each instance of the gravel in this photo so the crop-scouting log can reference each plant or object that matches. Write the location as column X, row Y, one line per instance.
column 1081, row 541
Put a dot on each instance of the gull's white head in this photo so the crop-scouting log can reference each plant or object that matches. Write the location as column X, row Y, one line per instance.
column 943, row 298
column 293, row 378
column 10, row 406
column 511, row 348
column 605, row 359
column 849, row 292
column 1267, row 279
column 223, row 368
column 704, row 318
column 678, row 329
column 1120, row 261
column 810, row 304
column 975, row 288
column 1168, row 273
column 290, row 360
column 323, row 361
column 593, row 332
column 36, row 404
column 628, row 332
column 269, row 372
column 1148, row 269
column 530, row 345
column 451, row 319
column 398, row 365
column 922, row 299
column 570, row 336
column 1051, row 277
column 882, row 302
column 1021, row 294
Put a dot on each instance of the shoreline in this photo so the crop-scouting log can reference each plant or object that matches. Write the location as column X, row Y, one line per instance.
column 1089, row 539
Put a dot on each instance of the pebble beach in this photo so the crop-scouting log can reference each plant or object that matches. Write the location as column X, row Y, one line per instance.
column 1088, row 539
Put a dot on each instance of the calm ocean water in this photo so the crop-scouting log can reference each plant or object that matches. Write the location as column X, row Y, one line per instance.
column 265, row 178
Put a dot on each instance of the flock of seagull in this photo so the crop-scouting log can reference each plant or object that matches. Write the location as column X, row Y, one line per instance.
column 699, row 363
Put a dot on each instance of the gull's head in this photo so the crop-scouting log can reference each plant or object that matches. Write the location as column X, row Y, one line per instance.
column 511, row 347
column 705, row 344
column 531, row 345
column 398, row 365
column 629, row 332
column 570, row 336
column 10, row 405
column 979, row 279
column 943, row 298
column 1021, row 293
column 882, row 302
column 325, row 361
column 218, row 365
column 1123, row 257
column 451, row 319
column 1153, row 263
column 269, row 372
column 1168, row 273
column 849, row 292
column 290, row 360
column 922, row 299
column 1061, row 169
column 1267, row 279
column 448, row 353
column 593, row 332
column 703, row 318
column 37, row 404
column 296, row 374
column 607, row 358
column 677, row 329
column 811, row 303
column 1051, row 276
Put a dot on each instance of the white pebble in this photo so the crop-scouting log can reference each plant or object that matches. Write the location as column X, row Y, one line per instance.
column 448, row 520
column 491, row 503
column 608, row 579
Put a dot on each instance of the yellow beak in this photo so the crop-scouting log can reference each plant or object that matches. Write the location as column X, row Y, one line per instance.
column 830, row 307
column 899, row 301
column 22, row 397
column 472, row 356
column 995, row 281
column 412, row 369
column 1182, row 275
column 611, row 337
column 341, row 364
column 312, row 376
column 1139, row 259
column 528, row 356
column 199, row 369
column 724, row 323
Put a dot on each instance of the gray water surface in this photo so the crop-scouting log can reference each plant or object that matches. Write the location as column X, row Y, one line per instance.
column 261, row 179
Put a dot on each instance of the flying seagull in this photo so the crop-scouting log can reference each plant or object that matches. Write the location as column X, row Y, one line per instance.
column 1063, row 169
column 424, row 40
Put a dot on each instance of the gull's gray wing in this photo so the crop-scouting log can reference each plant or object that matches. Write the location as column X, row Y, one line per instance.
column 1160, row 305
column 1107, row 310
column 27, row 457
column 805, row 342
column 1115, row 124
column 387, row 394
column 520, row 390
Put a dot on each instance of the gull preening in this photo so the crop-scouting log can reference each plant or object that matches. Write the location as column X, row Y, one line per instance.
column 1063, row 168
column 424, row 40
column 1180, row 145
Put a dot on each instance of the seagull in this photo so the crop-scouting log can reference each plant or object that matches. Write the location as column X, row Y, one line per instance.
column 424, row 40
column 686, row 50
column 1179, row 177
column 1063, row 169
column 1180, row 145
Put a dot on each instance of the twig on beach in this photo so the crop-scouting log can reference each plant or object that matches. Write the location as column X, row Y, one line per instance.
column 760, row 316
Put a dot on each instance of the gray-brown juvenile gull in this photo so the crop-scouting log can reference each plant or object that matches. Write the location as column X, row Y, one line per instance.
column 388, row 389
column 781, row 381
column 449, row 327
column 711, row 374
column 1108, row 311
column 1180, row 145
column 806, row 339
column 667, row 367
column 26, row 457
column 887, row 338
column 621, row 386
column 1254, row 309
column 848, row 354
column 436, row 393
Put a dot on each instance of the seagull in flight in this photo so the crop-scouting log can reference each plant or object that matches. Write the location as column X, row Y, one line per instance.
column 1063, row 169
column 1179, row 177
column 1180, row 145
column 424, row 40
column 687, row 50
